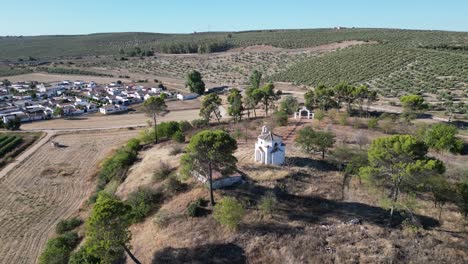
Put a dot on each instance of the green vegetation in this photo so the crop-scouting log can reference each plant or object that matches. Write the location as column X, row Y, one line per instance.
column 155, row 106
column 107, row 234
column 289, row 105
column 195, row 209
column 9, row 143
column 268, row 203
column 236, row 106
column 229, row 213
column 195, row 83
column 399, row 163
column 210, row 107
column 443, row 137
column 311, row 141
column 58, row 249
column 209, row 151
column 141, row 202
column 68, row 225
column 56, row 70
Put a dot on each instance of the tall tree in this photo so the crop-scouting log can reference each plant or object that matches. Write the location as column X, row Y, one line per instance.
column 268, row 96
column 154, row 106
column 210, row 106
column 311, row 141
column 289, row 105
column 209, row 151
column 399, row 162
column 107, row 234
column 195, row 82
column 361, row 94
column 412, row 105
column 345, row 93
column 235, row 104
column 324, row 98
column 255, row 79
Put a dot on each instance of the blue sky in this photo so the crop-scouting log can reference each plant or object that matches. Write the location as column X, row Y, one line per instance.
column 42, row 17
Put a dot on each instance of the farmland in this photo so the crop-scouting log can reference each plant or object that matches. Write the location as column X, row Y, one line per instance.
column 12, row 144
column 48, row 186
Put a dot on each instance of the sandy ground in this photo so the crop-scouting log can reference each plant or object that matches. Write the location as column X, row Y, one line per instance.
column 111, row 121
column 48, row 186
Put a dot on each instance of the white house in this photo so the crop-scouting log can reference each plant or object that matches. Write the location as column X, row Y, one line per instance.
column 269, row 148
column 189, row 96
column 112, row 109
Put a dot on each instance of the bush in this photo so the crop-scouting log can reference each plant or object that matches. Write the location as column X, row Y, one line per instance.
column 175, row 150
column 162, row 218
column 178, row 137
column 68, row 225
column 163, row 171
column 133, row 144
column 167, row 129
column 194, row 209
column 280, row 118
column 200, row 123
column 319, row 115
column 373, row 123
column 267, row 203
column 343, row 119
column 229, row 213
column 173, row 185
column 141, row 203
column 83, row 256
column 58, row 249
column 114, row 168
column 184, row 126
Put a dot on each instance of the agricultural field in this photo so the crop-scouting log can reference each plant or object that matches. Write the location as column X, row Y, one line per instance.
column 47, row 47
column 50, row 185
column 12, row 144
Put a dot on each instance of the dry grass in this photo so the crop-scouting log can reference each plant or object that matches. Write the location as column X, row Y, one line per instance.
column 309, row 225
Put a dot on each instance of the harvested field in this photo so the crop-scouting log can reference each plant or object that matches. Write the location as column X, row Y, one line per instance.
column 109, row 121
column 50, row 185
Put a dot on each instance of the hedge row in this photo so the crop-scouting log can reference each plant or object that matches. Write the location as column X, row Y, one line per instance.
column 10, row 146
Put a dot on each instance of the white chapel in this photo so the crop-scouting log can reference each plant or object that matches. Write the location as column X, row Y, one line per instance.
column 269, row 148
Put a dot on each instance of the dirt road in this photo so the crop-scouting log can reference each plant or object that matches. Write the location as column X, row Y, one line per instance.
column 107, row 122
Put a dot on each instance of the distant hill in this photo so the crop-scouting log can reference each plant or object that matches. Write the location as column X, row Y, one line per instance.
column 46, row 47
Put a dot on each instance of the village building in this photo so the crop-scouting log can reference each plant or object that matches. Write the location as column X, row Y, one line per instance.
column 269, row 148
column 187, row 96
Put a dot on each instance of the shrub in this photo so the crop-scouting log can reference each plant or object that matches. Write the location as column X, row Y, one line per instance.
column 373, row 123
column 141, row 203
column 173, row 185
column 194, row 209
column 267, row 203
column 332, row 114
column 178, row 137
column 280, row 118
column 163, row 171
column 162, row 218
column 175, row 150
column 184, row 126
column 83, row 256
column 200, row 123
column 229, row 213
column 133, row 144
column 167, row 129
column 58, row 249
column 343, row 119
column 443, row 137
column 67, row 225
column 319, row 115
